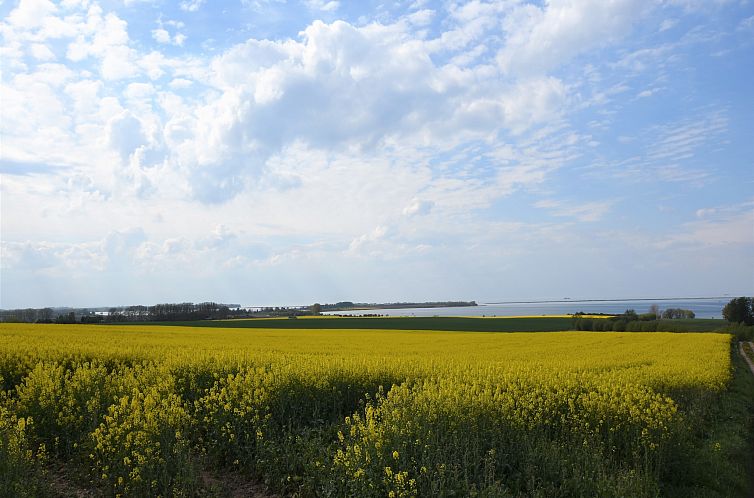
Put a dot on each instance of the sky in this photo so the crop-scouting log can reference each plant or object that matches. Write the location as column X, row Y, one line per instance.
column 285, row 152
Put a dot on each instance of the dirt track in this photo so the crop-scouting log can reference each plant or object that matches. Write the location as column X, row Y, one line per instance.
column 746, row 357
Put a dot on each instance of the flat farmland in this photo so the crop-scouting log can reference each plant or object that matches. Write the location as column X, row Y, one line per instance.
column 147, row 410
column 449, row 323
column 453, row 323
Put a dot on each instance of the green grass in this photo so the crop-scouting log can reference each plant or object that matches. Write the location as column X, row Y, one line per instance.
column 719, row 455
column 693, row 325
column 470, row 324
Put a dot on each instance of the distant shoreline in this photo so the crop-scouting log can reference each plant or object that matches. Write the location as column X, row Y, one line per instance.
column 611, row 300
column 391, row 306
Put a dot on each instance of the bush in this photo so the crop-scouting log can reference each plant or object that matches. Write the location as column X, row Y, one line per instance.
column 677, row 314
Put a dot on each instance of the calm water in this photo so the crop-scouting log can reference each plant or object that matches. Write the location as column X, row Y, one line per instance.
column 704, row 308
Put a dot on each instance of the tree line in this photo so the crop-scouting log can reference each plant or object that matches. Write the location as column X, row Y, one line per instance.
column 630, row 321
column 137, row 313
column 164, row 312
column 169, row 312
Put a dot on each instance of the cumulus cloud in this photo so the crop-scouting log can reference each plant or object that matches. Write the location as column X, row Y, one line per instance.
column 31, row 13
column 42, row 52
column 115, row 252
column 163, row 36
column 343, row 86
column 337, row 87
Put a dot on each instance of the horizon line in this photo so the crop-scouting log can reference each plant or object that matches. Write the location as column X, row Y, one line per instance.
column 610, row 300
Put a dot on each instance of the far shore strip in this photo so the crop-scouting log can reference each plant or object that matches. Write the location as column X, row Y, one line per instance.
column 319, row 317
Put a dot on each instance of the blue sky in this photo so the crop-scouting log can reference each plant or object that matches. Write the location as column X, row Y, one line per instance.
column 287, row 152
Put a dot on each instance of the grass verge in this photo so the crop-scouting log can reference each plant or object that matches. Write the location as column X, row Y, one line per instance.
column 718, row 458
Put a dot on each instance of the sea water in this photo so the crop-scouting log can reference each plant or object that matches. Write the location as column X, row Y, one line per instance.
column 703, row 308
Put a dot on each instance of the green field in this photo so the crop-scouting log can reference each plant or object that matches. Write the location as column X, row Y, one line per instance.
column 460, row 324
column 477, row 324
column 147, row 410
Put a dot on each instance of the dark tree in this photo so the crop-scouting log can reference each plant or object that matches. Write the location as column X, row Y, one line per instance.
column 740, row 310
column 66, row 318
column 677, row 313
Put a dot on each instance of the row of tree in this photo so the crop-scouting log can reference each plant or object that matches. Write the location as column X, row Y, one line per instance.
column 29, row 315
column 166, row 312
column 677, row 314
column 630, row 321
column 169, row 312
column 158, row 312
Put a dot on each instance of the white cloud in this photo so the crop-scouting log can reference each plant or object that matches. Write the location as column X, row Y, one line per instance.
column 730, row 230
column 42, row 52
column 648, row 92
column 418, row 207
column 31, row 13
column 343, row 86
column 405, row 135
column 125, row 134
column 100, row 36
column 533, row 101
column 113, row 252
column 644, row 58
column 191, row 5
column 669, row 152
column 584, row 212
column 139, row 91
column 118, row 63
column 161, row 35
column 540, row 38
column 421, row 17
column 679, row 141
column 364, row 240
column 180, row 83
column 668, row 24
column 705, row 212
column 85, row 96
column 323, row 5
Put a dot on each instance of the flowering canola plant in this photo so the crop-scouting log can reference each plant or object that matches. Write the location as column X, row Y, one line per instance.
column 145, row 409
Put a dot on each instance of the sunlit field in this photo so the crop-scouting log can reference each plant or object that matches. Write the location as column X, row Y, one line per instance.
column 139, row 410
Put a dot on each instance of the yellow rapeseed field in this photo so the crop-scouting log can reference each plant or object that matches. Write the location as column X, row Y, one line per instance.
column 355, row 412
column 662, row 360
